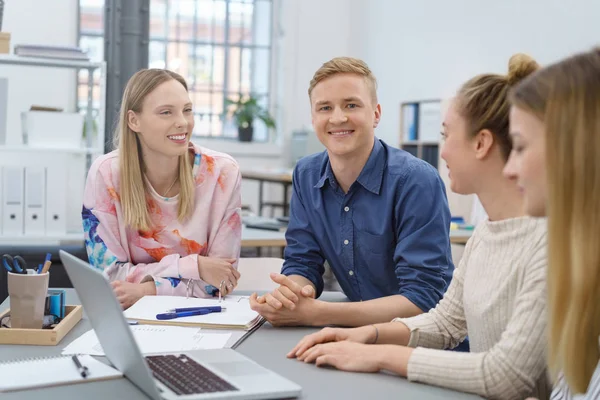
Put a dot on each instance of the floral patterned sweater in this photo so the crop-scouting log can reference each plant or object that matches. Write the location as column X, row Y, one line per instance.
column 168, row 253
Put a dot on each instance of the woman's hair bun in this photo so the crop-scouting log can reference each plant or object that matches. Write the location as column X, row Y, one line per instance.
column 519, row 67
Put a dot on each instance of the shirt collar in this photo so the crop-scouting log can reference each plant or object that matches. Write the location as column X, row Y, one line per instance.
column 371, row 175
column 327, row 175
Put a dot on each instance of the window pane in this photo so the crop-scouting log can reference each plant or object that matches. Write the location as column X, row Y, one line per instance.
column 261, row 70
column 91, row 16
column 204, row 22
column 82, row 93
column 201, row 67
column 156, row 54
column 201, row 125
column 240, row 22
column 261, row 29
column 234, row 69
column 177, row 57
column 158, row 25
column 190, row 38
column 261, row 132
column 218, row 21
column 181, row 19
column 245, row 70
column 218, row 68
column 93, row 46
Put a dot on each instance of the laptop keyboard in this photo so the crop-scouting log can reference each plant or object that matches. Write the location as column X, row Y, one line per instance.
column 183, row 375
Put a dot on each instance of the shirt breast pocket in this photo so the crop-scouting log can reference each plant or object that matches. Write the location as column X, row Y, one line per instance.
column 374, row 243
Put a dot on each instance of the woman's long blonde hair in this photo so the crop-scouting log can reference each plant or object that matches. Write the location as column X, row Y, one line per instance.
column 134, row 190
column 566, row 97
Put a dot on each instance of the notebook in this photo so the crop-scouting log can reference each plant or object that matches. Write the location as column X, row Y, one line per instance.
column 238, row 314
column 51, row 371
column 155, row 339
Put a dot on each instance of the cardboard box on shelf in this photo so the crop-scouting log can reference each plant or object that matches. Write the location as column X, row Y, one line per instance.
column 4, row 42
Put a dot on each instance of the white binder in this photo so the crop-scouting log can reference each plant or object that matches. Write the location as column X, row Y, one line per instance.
column 13, row 180
column 56, row 198
column 35, row 201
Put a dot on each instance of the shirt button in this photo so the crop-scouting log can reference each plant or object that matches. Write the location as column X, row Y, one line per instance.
column 346, row 209
column 351, row 273
column 346, row 241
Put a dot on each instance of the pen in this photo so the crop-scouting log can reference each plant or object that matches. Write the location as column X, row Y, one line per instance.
column 83, row 370
column 47, row 263
column 210, row 308
column 39, row 269
column 173, row 315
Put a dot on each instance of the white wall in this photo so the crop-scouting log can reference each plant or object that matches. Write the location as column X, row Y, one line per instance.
column 426, row 49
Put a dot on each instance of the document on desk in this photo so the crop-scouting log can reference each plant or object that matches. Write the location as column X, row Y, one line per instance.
column 51, row 371
column 154, row 339
column 238, row 314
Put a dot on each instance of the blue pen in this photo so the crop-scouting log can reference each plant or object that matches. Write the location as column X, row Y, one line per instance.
column 209, row 308
column 199, row 311
column 39, row 270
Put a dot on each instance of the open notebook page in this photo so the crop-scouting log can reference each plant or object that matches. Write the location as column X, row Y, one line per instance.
column 238, row 313
column 51, row 371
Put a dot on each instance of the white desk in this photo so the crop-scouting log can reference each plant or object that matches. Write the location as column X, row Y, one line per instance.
column 267, row 346
column 266, row 238
column 262, row 238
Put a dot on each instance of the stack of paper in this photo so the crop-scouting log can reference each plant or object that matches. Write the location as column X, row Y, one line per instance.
column 51, row 371
column 47, row 51
column 154, row 340
column 238, row 314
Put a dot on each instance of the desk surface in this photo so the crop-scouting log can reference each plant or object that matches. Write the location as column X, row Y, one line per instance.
column 281, row 175
column 262, row 238
column 267, row 346
column 265, row 238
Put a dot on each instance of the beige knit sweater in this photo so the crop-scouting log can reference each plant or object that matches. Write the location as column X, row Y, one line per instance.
column 498, row 298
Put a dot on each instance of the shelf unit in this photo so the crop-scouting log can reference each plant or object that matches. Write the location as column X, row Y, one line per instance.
column 94, row 145
column 420, row 125
column 90, row 147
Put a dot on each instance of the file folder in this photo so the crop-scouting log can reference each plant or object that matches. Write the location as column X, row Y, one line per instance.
column 56, row 196
column 13, row 179
column 35, row 201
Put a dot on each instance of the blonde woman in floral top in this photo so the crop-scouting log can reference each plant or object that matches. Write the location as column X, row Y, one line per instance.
column 161, row 215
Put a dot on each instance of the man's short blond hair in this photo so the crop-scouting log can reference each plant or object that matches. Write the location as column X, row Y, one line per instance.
column 345, row 65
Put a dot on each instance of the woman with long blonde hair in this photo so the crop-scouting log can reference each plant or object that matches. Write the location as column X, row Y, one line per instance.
column 161, row 215
column 555, row 126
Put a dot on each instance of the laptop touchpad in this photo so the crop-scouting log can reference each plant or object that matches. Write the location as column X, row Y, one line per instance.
column 239, row 368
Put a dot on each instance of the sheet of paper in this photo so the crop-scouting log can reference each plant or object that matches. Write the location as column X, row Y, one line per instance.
column 154, row 339
column 237, row 313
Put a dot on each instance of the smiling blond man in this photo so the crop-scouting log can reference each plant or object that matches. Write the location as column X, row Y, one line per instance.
column 378, row 215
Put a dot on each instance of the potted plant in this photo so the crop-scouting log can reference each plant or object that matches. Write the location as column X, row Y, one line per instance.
column 244, row 111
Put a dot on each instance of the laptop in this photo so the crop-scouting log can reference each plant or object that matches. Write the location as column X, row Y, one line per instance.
column 198, row 374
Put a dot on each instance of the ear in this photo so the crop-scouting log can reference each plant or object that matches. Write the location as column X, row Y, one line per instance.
column 484, row 140
column 133, row 121
column 377, row 115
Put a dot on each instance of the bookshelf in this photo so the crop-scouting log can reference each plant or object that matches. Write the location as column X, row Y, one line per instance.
column 420, row 126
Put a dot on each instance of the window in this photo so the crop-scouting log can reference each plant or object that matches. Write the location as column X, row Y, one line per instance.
column 221, row 47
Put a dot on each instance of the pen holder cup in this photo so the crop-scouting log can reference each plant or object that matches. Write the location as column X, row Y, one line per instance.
column 27, row 295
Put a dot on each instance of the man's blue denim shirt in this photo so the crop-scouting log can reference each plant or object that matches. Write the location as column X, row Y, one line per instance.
column 390, row 234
